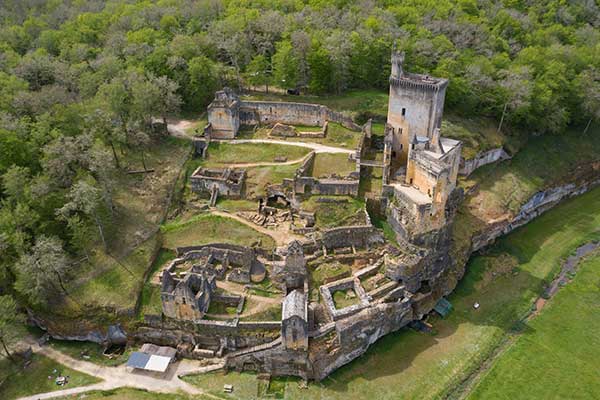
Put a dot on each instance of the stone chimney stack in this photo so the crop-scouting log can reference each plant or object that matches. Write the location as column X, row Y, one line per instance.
column 434, row 142
column 397, row 61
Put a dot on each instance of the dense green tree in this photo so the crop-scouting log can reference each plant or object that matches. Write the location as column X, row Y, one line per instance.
column 11, row 324
column 258, row 72
column 42, row 272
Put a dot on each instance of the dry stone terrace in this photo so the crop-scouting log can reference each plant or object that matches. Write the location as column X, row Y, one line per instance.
column 328, row 291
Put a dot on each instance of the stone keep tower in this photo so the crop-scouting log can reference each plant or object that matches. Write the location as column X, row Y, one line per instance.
column 415, row 108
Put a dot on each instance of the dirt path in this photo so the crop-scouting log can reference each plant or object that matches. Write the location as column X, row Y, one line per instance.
column 281, row 235
column 267, row 164
column 317, row 147
column 115, row 377
column 177, row 128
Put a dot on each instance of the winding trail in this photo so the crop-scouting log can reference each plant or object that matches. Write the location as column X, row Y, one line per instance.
column 267, row 163
column 116, row 377
column 317, row 147
column 177, row 128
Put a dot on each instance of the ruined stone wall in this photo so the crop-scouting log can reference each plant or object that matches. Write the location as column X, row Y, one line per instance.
column 213, row 335
column 274, row 360
column 224, row 122
column 483, row 158
column 229, row 188
column 271, row 112
column 359, row 236
column 355, row 334
column 538, row 204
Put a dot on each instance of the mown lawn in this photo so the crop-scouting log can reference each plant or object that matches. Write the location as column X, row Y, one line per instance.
column 245, row 385
column 18, row 382
column 322, row 271
column 207, row 228
column 224, row 154
column 327, row 164
column 273, row 313
column 259, row 178
column 134, row 394
column 410, row 365
column 557, row 356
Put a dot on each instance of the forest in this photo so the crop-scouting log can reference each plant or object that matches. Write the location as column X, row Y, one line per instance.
column 85, row 83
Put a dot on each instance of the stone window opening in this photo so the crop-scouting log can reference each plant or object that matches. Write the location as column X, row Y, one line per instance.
column 394, row 153
column 403, row 112
column 425, row 287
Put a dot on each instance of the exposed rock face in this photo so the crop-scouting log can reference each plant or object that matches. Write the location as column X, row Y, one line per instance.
column 283, row 130
column 539, row 203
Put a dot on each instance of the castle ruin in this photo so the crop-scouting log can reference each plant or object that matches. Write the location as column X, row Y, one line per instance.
column 340, row 288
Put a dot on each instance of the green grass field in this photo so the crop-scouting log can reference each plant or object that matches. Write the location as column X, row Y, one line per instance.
column 259, row 177
column 18, row 382
column 326, row 164
column 557, row 355
column 223, row 154
column 133, row 394
column 273, row 313
column 207, row 228
column 329, row 215
column 92, row 351
column 120, row 281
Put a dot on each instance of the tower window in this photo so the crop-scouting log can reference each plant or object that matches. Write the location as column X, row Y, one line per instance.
column 404, row 112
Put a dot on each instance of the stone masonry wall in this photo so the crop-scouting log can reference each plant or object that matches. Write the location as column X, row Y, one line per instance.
column 483, row 158
column 271, row 112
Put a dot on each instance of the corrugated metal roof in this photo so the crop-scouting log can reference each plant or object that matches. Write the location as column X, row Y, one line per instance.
column 138, row 359
column 443, row 307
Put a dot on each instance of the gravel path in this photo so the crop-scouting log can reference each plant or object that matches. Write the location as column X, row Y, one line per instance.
column 120, row 376
column 178, row 129
column 317, row 147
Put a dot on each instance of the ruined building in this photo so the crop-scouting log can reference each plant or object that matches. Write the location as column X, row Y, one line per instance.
column 187, row 298
column 420, row 166
column 224, row 115
column 294, row 321
column 227, row 113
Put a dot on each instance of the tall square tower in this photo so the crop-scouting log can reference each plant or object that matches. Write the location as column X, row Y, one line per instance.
column 415, row 107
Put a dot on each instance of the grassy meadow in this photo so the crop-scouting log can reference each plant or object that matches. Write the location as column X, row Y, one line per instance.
column 557, row 355
column 207, row 228
column 16, row 381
